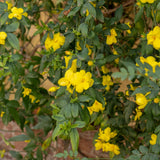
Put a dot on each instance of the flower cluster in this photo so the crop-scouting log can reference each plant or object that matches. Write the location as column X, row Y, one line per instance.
column 153, row 37
column 27, row 92
column 103, row 141
column 55, row 43
column 107, row 81
column 112, row 37
column 80, row 81
column 17, row 13
column 147, row 1
column 96, row 107
column 151, row 61
column 3, row 36
column 153, row 139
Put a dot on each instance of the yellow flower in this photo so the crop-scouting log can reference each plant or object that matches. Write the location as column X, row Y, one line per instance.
column 27, row 141
column 153, row 139
column 138, row 114
column 53, row 89
column 69, row 53
column 145, row 1
column 82, row 81
column 78, row 80
column 55, row 43
column 98, row 144
column 103, row 141
column 153, row 37
column 9, row 5
column 89, row 49
column 87, row 12
column 107, row 81
column 96, row 107
column 116, row 53
column 2, row 152
column 17, row 13
column 90, row 63
column 26, row 91
column 141, row 100
column 32, row 98
column 128, row 24
column 156, row 100
column 3, row 36
column 2, row 113
column 112, row 37
column 104, row 69
column 78, row 47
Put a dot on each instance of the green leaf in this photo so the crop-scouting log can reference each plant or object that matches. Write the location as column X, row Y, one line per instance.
column 143, row 149
column 123, row 74
column 85, row 98
column 123, row 26
column 67, row 111
column 83, row 55
column 100, row 16
column 80, row 124
column 146, row 157
column 158, row 138
column 139, row 15
column 79, row 3
column 3, row 18
column 21, row 137
column 83, row 28
column 39, row 154
column 73, row 11
column 75, row 109
column 13, row 40
column 30, row 133
column 91, row 9
column 59, row 155
column 12, row 27
column 56, row 132
column 119, row 13
column 60, row 91
column 16, row 155
column 157, row 130
column 74, row 137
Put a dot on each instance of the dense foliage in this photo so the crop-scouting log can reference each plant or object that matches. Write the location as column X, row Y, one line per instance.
column 81, row 45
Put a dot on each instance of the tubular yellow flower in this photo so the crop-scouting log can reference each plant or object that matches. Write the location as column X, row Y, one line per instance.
column 78, row 47
column 153, row 139
column 141, row 100
column 9, row 5
column 69, row 53
column 26, row 91
column 89, row 49
column 3, row 36
column 55, row 43
column 53, row 89
column 96, row 107
column 32, row 98
column 138, row 114
column 2, row 113
column 2, row 152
